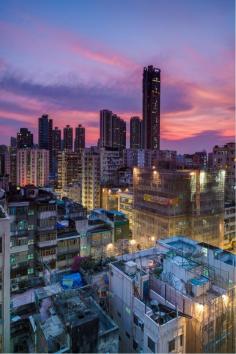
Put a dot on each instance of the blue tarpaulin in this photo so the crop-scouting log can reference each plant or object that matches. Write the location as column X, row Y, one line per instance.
column 72, row 281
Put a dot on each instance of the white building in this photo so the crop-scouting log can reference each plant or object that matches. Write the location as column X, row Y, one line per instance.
column 5, row 282
column 179, row 296
column 90, row 179
column 32, row 167
column 145, row 325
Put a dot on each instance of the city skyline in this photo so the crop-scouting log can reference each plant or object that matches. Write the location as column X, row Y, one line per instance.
column 70, row 68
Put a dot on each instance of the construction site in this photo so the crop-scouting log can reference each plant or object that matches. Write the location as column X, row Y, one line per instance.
column 178, row 202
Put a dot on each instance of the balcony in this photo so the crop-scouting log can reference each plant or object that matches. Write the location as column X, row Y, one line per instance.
column 18, row 249
column 42, row 244
column 47, row 258
column 67, row 250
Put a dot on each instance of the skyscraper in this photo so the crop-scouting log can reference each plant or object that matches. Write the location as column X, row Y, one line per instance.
column 79, row 138
column 45, row 126
column 68, row 137
column 56, row 139
column 105, row 128
column 136, row 133
column 151, row 107
column 56, row 147
column 112, row 130
column 24, row 139
column 118, row 132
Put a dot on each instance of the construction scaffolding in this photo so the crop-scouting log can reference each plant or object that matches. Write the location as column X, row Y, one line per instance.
column 186, row 202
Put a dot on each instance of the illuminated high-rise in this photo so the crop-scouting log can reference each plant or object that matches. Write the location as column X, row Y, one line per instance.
column 151, row 107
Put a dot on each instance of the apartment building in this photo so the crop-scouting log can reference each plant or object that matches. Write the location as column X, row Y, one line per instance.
column 4, row 278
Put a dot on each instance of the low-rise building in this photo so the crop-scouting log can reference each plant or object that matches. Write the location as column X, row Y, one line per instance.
column 187, row 287
column 72, row 322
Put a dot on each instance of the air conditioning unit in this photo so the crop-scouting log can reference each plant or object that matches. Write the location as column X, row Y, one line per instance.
column 130, row 267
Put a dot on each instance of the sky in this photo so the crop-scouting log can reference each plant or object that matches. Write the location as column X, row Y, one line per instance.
column 72, row 58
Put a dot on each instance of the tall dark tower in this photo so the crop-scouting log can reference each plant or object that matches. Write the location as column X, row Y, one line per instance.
column 68, row 138
column 112, row 130
column 45, row 126
column 105, row 128
column 24, row 139
column 79, row 138
column 151, row 107
column 56, row 148
column 136, row 133
column 45, row 132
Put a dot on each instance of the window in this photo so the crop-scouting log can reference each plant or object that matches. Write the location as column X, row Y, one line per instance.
column 30, row 271
column 127, row 334
column 151, row 345
column 135, row 345
column 171, row 345
column 136, row 320
column 181, row 340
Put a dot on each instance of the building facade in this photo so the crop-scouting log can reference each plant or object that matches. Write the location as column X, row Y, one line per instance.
column 32, row 167
column 79, row 138
column 90, row 179
column 151, row 107
column 69, row 168
column 170, row 202
column 5, row 280
column 224, row 158
column 68, row 138
column 111, row 159
column 45, row 127
column 112, row 130
column 136, row 133
column 24, row 139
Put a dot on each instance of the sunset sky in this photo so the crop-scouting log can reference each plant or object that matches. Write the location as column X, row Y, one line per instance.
column 72, row 58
